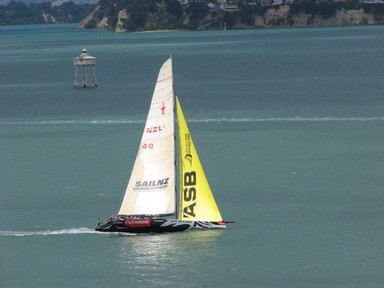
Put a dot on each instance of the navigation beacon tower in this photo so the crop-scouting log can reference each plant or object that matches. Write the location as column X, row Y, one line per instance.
column 85, row 75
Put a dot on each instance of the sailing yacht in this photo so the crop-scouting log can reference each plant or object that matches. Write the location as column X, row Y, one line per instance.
column 156, row 200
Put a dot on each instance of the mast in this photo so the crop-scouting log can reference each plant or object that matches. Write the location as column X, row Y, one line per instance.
column 175, row 139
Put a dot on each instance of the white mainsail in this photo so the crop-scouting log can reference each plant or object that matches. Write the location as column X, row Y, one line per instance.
column 151, row 188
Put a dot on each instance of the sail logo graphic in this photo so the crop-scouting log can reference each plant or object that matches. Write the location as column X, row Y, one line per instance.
column 189, row 194
column 188, row 143
column 162, row 109
column 151, row 185
column 154, row 129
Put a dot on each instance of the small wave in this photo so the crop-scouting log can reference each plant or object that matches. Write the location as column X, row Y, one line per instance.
column 291, row 119
column 69, row 231
column 208, row 120
column 72, row 122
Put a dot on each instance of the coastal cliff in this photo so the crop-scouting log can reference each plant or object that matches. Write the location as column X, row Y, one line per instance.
column 131, row 15
column 282, row 16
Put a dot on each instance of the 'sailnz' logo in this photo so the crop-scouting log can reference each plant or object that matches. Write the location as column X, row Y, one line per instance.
column 154, row 129
column 189, row 194
column 151, row 185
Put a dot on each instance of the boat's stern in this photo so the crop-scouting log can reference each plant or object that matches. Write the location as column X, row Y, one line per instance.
column 105, row 226
column 209, row 225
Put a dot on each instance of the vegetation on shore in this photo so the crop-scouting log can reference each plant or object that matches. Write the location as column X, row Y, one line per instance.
column 18, row 13
column 145, row 15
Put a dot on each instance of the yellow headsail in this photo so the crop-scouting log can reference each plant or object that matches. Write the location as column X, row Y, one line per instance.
column 196, row 198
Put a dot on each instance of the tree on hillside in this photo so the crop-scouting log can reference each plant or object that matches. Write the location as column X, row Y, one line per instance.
column 197, row 12
column 138, row 11
column 20, row 13
column 173, row 7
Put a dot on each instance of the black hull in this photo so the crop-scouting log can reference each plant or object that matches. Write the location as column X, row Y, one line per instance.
column 156, row 226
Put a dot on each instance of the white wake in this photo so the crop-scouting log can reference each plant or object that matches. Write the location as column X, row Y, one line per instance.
column 291, row 119
column 208, row 120
column 69, row 231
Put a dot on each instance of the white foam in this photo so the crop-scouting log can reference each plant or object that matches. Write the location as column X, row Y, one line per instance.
column 69, row 231
column 208, row 120
column 291, row 119
column 73, row 122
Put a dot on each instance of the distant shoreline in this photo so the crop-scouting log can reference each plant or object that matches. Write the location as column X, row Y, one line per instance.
column 262, row 17
column 160, row 31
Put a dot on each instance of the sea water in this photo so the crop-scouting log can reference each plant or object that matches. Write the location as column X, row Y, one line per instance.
column 289, row 124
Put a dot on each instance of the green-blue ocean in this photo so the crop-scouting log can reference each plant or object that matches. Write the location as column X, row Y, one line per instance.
column 289, row 125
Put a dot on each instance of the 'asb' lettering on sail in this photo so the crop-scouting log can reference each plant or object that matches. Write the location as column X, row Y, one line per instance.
column 189, row 194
